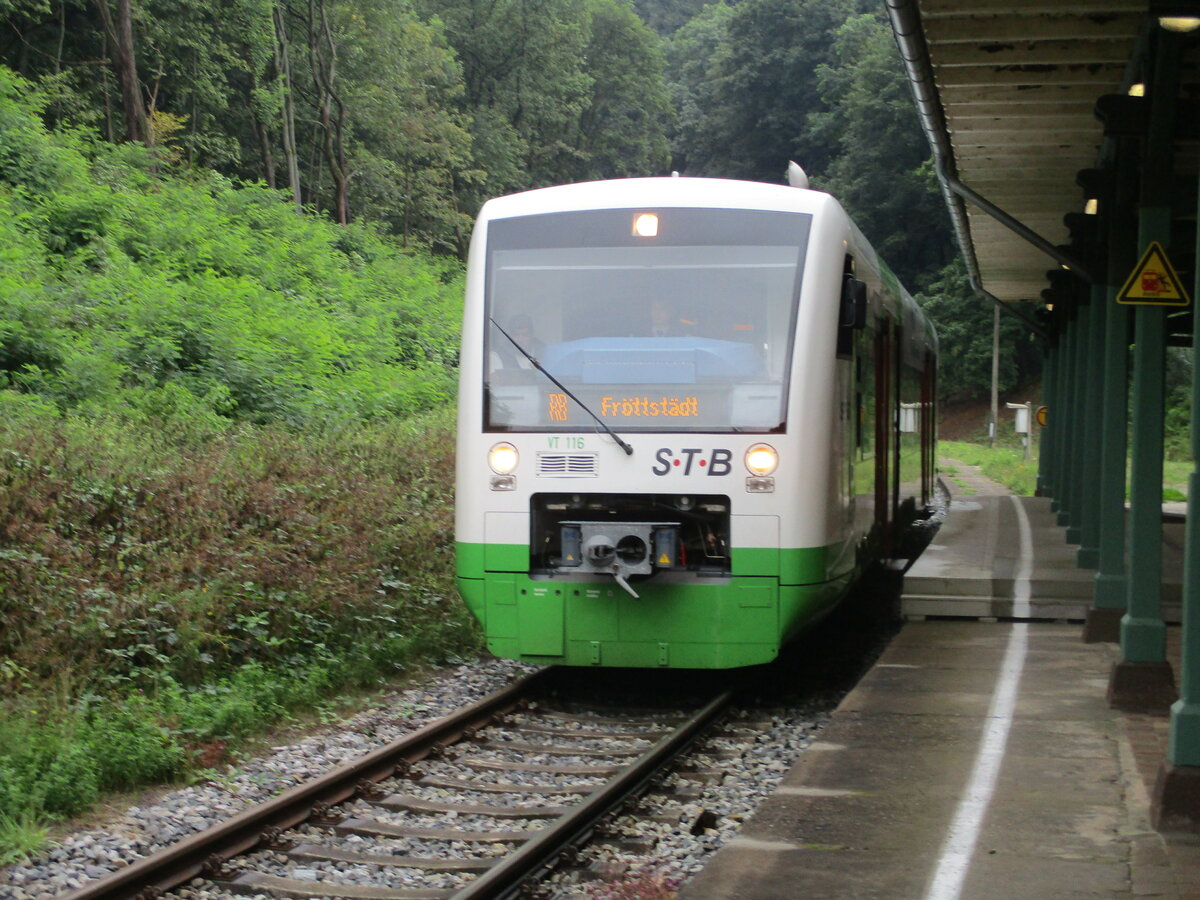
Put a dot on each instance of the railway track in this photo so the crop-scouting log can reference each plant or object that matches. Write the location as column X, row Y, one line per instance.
column 471, row 806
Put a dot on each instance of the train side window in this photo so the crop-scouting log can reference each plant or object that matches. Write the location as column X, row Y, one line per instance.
column 852, row 310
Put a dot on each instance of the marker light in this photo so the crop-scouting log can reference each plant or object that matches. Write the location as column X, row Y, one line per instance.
column 1137, row 90
column 1179, row 24
column 503, row 458
column 645, row 225
column 761, row 459
column 1092, row 206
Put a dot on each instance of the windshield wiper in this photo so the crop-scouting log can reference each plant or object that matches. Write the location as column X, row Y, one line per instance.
column 562, row 387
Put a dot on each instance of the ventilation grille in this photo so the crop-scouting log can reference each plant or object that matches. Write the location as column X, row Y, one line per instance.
column 566, row 465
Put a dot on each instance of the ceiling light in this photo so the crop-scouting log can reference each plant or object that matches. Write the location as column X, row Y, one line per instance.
column 1181, row 24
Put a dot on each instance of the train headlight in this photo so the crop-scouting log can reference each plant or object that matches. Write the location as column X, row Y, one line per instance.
column 761, row 459
column 503, row 458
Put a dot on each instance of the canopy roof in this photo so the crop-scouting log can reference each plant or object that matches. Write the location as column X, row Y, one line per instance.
column 1007, row 91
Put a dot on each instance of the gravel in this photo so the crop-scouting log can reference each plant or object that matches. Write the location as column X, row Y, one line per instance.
column 654, row 844
column 86, row 855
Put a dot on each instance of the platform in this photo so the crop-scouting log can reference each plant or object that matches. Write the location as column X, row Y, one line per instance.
column 970, row 568
column 978, row 758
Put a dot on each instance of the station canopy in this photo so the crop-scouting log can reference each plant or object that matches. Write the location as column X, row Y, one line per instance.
column 1007, row 91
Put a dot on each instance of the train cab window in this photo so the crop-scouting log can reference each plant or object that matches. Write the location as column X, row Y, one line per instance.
column 689, row 328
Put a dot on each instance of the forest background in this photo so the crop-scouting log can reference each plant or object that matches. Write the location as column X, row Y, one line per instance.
column 231, row 235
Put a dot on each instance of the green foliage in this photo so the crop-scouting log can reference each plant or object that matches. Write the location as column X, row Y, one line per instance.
column 882, row 173
column 1177, row 423
column 964, row 324
column 764, row 100
column 21, row 834
column 667, row 16
column 163, row 600
column 216, row 506
column 1005, row 465
column 194, row 298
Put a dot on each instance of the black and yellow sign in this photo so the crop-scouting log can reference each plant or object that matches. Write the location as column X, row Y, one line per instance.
column 1154, row 281
column 1042, row 416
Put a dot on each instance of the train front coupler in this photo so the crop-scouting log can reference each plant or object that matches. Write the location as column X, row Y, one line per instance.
column 619, row 549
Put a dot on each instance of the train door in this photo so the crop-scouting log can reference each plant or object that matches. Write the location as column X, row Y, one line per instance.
column 863, row 471
column 885, row 391
column 847, row 387
column 928, row 427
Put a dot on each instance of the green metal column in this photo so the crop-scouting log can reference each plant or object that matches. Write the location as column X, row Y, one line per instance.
column 1062, row 447
column 1177, row 791
column 1111, row 586
column 1142, row 680
column 1088, row 556
column 1068, row 433
column 1079, row 392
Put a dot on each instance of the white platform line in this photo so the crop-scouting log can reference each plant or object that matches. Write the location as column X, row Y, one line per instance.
column 1021, row 588
column 955, row 859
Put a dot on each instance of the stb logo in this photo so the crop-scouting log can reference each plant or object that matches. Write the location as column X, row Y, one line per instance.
column 716, row 462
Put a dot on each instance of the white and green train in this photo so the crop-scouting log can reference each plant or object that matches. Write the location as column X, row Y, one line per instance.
column 691, row 413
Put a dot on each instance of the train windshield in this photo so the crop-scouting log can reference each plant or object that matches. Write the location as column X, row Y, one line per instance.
column 656, row 319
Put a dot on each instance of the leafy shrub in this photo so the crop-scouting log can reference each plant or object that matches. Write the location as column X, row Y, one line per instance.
column 225, row 465
column 118, row 283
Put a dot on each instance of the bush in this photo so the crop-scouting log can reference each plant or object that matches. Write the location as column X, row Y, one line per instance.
column 122, row 290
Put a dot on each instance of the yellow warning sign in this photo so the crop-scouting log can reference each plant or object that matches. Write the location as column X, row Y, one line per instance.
column 1154, row 281
column 664, row 560
column 1042, row 415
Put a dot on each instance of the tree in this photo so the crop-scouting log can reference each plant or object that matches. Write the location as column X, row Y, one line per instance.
column 118, row 32
column 408, row 138
column 882, row 170
column 666, row 17
column 622, row 131
column 526, row 85
column 765, row 92
column 694, row 56
column 964, row 325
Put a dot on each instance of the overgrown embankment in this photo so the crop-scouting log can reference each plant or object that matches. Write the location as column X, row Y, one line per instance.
column 226, row 464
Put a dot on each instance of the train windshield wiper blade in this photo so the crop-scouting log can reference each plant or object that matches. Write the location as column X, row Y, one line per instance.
column 562, row 387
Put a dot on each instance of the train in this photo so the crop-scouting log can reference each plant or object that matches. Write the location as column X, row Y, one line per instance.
column 692, row 413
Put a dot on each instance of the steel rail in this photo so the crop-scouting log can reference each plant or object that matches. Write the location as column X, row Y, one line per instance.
column 505, row 878
column 205, row 850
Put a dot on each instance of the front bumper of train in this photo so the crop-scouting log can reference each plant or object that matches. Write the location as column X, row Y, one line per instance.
column 726, row 622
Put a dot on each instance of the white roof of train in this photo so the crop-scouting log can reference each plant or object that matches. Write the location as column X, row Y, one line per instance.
column 626, row 193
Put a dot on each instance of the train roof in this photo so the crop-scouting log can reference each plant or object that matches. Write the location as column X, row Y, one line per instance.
column 627, row 193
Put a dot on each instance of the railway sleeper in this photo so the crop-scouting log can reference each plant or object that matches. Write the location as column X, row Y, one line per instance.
column 375, row 828
column 648, row 721
column 417, row 804
column 508, row 766
column 648, row 735
column 293, row 889
column 552, row 750
column 460, row 784
column 321, row 853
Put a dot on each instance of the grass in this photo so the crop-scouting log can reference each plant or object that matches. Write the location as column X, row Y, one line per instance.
column 21, row 835
column 162, row 606
column 1007, row 466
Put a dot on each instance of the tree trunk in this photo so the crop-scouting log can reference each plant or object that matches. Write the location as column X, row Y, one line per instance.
column 323, row 54
column 288, row 112
column 262, row 133
column 120, row 38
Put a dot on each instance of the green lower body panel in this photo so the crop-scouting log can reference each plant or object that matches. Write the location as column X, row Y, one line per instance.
column 728, row 622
